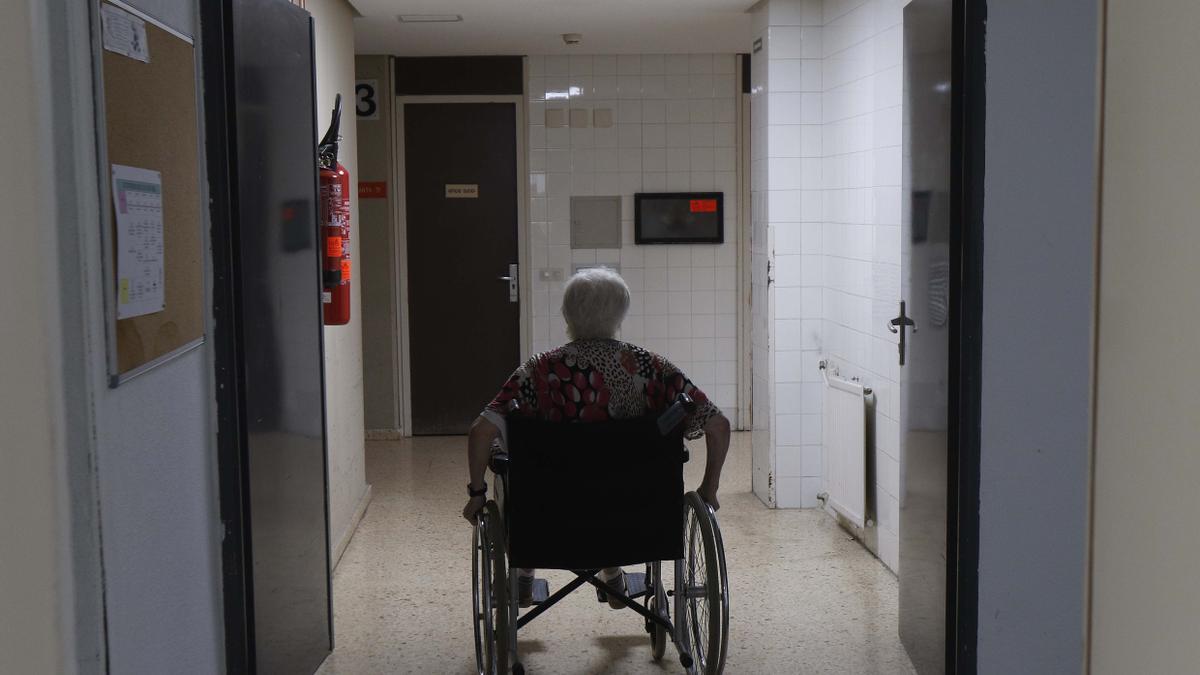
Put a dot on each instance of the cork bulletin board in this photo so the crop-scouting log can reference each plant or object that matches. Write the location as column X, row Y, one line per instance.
column 150, row 121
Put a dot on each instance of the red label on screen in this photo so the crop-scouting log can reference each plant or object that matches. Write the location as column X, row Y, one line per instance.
column 703, row 205
column 372, row 190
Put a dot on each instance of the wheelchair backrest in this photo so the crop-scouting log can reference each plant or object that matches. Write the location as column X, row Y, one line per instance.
column 593, row 495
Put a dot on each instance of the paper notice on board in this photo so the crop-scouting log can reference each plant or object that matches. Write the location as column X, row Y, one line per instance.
column 124, row 33
column 137, row 200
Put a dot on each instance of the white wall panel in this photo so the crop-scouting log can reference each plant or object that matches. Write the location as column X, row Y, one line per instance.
column 1145, row 598
column 1038, row 281
column 672, row 131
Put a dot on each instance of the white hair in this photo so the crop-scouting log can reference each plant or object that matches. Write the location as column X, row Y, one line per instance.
column 595, row 301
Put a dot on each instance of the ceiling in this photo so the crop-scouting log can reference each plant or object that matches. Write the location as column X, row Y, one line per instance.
column 536, row 27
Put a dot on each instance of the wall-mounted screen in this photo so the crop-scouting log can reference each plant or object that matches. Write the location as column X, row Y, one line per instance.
column 679, row 217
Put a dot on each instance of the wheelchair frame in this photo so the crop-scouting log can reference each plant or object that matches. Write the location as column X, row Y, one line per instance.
column 497, row 613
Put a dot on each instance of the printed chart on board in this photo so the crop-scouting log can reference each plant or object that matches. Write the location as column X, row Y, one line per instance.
column 137, row 200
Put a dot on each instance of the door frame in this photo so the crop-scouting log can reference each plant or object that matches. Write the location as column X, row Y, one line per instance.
column 968, row 145
column 745, row 344
column 237, row 591
column 400, row 218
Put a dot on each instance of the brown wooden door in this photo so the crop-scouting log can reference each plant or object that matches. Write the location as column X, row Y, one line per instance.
column 460, row 167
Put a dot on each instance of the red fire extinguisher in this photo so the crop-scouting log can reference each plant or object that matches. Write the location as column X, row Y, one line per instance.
column 335, row 225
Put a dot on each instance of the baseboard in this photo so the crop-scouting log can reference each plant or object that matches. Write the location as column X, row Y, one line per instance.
column 384, row 434
column 867, row 536
column 359, row 512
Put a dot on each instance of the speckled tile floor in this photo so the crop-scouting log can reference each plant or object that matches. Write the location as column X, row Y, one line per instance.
column 805, row 597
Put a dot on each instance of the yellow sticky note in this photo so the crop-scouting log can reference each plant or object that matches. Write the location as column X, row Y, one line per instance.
column 124, row 292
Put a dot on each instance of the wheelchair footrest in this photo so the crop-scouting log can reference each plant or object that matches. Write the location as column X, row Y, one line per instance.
column 635, row 587
column 541, row 591
column 635, row 584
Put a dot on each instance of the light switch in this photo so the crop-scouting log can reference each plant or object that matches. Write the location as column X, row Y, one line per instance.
column 596, row 222
column 556, row 118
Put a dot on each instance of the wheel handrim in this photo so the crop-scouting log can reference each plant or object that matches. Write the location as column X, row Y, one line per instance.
column 485, row 653
column 697, row 591
column 499, row 581
column 704, row 589
column 723, row 586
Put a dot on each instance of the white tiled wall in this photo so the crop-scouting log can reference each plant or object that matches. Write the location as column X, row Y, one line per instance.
column 861, row 165
column 673, row 130
column 793, row 206
column 826, row 203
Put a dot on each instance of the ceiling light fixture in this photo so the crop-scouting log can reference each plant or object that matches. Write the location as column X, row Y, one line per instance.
column 430, row 18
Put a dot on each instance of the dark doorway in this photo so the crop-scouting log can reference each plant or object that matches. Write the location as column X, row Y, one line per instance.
column 460, row 172
column 261, row 148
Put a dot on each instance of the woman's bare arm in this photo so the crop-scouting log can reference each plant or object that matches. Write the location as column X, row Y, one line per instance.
column 716, row 440
column 479, row 451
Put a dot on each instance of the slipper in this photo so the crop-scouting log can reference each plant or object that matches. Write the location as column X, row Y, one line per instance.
column 617, row 582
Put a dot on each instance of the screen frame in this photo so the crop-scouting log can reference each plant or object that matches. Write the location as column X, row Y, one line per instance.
column 638, row 237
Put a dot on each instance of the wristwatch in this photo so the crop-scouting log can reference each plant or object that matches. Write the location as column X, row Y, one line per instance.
column 477, row 493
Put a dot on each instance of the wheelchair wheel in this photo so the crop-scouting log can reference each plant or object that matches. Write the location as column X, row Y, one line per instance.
column 705, row 615
column 490, row 593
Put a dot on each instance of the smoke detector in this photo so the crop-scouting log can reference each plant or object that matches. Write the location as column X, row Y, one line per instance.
column 572, row 38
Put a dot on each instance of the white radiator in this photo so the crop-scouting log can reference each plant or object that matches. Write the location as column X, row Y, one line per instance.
column 846, row 434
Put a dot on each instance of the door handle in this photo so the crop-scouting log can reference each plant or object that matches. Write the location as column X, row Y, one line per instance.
column 899, row 324
column 511, row 280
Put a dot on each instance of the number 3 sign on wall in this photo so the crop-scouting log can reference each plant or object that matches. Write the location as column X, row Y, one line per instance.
column 367, row 108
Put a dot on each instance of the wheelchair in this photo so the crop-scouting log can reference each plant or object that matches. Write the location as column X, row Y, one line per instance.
column 552, row 509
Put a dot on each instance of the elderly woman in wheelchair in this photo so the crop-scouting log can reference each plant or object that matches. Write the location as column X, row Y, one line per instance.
column 585, row 443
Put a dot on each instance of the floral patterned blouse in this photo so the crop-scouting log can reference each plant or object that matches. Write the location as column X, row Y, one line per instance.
column 596, row 380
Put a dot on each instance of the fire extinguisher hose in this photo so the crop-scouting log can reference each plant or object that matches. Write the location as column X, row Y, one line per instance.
column 327, row 149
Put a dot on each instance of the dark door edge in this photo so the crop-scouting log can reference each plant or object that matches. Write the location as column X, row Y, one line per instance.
column 316, row 191
column 219, row 137
column 966, row 288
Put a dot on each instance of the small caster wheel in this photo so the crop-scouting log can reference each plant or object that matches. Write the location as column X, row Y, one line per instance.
column 685, row 660
column 658, row 635
column 518, row 669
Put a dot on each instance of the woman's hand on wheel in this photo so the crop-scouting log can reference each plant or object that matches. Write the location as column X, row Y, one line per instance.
column 472, row 508
column 709, row 494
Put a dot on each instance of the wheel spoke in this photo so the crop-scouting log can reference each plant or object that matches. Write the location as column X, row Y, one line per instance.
column 705, row 612
column 695, row 590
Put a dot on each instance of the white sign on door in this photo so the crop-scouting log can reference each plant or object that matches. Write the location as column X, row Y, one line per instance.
column 462, row 191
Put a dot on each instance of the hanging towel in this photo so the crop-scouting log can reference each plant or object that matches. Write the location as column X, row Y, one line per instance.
column 939, row 293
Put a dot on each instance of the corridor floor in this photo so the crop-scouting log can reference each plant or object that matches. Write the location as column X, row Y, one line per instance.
column 805, row 597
